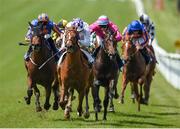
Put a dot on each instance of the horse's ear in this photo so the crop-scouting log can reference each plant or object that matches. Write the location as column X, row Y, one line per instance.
column 30, row 24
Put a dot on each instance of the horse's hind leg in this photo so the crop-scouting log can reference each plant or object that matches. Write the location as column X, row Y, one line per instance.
column 105, row 102
column 29, row 91
column 124, row 84
column 37, row 102
column 48, row 94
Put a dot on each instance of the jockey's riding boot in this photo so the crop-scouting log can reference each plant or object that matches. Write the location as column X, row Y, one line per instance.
column 27, row 54
column 119, row 62
column 54, row 49
column 96, row 52
column 145, row 55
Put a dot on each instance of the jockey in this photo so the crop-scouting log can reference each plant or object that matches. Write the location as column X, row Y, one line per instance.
column 84, row 37
column 99, row 29
column 149, row 25
column 48, row 26
column 61, row 25
column 137, row 34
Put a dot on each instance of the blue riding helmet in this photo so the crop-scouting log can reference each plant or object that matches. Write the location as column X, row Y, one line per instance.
column 135, row 26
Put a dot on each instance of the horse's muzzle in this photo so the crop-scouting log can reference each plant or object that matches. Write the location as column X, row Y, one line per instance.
column 70, row 48
column 112, row 56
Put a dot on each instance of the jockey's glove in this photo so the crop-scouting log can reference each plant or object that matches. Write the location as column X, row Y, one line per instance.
column 47, row 36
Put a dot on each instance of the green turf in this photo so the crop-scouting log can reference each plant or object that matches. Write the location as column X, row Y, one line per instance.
column 166, row 22
column 164, row 107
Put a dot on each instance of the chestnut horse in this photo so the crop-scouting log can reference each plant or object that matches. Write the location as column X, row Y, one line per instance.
column 73, row 73
column 134, row 70
column 46, row 76
column 106, row 73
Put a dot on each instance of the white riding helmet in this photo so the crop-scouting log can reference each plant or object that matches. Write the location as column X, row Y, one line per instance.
column 144, row 18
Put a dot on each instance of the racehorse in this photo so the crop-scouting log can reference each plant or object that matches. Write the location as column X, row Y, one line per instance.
column 46, row 75
column 73, row 73
column 106, row 73
column 133, row 71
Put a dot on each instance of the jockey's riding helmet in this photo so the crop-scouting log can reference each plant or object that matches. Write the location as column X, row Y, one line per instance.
column 78, row 23
column 103, row 20
column 43, row 17
column 144, row 18
column 135, row 26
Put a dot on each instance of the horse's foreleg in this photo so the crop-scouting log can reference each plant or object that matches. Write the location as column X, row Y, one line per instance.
column 37, row 102
column 96, row 99
column 63, row 92
column 106, row 101
column 48, row 94
column 111, row 95
column 87, row 114
column 132, row 93
column 68, row 108
column 124, row 84
column 147, row 90
column 80, row 97
column 56, row 95
column 137, row 94
column 29, row 91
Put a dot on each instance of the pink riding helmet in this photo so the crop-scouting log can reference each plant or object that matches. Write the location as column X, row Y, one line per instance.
column 103, row 20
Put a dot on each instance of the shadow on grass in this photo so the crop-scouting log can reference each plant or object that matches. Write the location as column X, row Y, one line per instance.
column 165, row 106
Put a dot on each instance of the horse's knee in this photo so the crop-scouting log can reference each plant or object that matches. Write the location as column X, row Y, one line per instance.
column 29, row 92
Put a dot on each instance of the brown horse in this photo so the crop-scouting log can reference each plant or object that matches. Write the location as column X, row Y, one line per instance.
column 73, row 73
column 133, row 71
column 46, row 76
column 105, row 73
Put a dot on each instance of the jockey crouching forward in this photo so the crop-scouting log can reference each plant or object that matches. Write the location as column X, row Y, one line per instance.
column 61, row 25
column 99, row 28
column 47, row 27
column 150, row 28
column 136, row 33
column 84, row 37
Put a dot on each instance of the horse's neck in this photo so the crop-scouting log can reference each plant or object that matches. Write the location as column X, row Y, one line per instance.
column 102, row 56
column 73, row 59
column 42, row 55
column 136, row 63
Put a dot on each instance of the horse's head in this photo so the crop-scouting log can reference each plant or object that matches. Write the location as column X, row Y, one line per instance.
column 71, row 39
column 128, row 50
column 110, row 45
column 37, row 36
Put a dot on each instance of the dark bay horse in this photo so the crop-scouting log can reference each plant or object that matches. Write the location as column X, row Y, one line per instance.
column 73, row 73
column 106, row 73
column 46, row 76
column 133, row 71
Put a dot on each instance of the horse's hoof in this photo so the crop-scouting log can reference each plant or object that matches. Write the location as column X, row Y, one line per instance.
column 111, row 109
column 86, row 115
column 143, row 101
column 38, row 109
column 27, row 100
column 55, row 106
column 47, row 106
column 66, row 116
column 79, row 114
column 62, row 105
column 116, row 96
column 104, row 118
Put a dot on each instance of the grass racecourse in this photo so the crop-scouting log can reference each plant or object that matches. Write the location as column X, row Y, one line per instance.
column 164, row 106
